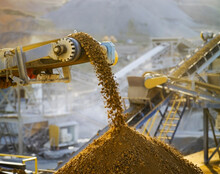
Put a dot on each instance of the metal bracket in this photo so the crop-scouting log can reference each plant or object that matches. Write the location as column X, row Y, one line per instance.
column 20, row 58
column 66, row 74
column 17, row 80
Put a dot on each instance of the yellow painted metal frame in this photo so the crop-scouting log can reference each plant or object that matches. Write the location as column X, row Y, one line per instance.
column 175, row 111
column 197, row 83
column 26, row 158
column 151, row 125
column 187, row 81
column 168, row 117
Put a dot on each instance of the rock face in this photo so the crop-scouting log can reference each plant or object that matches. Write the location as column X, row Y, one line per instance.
column 126, row 151
column 127, row 20
column 21, row 20
column 124, row 19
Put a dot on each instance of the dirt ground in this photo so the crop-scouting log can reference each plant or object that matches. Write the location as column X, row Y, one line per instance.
column 198, row 159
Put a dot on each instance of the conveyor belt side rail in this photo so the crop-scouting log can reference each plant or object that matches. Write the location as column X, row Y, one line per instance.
column 197, row 94
column 204, row 62
column 200, row 60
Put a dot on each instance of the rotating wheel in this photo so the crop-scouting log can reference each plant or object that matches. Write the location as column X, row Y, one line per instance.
column 67, row 49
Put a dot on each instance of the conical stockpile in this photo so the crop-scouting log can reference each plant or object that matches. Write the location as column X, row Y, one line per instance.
column 121, row 149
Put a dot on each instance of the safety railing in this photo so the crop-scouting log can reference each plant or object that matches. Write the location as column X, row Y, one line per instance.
column 167, row 118
column 24, row 160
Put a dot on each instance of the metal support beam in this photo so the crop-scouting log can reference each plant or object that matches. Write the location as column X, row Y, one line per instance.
column 21, row 60
column 20, row 129
column 189, row 92
column 209, row 119
column 206, row 136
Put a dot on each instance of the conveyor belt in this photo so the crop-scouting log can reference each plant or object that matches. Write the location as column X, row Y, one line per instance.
column 196, row 64
column 155, row 52
column 200, row 60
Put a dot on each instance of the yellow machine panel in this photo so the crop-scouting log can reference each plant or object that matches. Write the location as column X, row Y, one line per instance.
column 63, row 134
column 154, row 81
